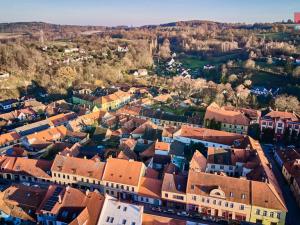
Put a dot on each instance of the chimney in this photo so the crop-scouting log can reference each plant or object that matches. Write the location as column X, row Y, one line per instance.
column 59, row 199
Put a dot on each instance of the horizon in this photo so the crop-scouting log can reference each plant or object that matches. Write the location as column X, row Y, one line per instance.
column 136, row 13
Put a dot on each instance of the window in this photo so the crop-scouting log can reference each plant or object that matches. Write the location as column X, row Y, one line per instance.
column 203, row 199
column 166, row 195
column 192, row 187
column 279, row 124
column 214, row 202
column 74, row 178
column 230, row 167
column 119, row 207
column 257, row 212
column 124, row 222
column 221, row 167
column 231, row 194
column 127, row 188
column 242, row 207
column 111, row 220
column 117, row 186
column 243, row 196
column 58, row 175
column 54, row 174
column 226, row 204
column 125, row 209
column 178, row 197
column 220, row 203
column 133, row 223
column 265, row 213
column 132, row 188
column 194, row 197
column 212, row 166
column 278, row 215
column 207, row 200
column 231, row 205
column 107, row 219
column 271, row 214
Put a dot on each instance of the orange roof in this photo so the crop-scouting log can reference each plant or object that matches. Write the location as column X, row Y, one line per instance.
column 198, row 162
column 85, row 206
column 283, row 115
column 79, row 166
column 163, row 146
column 215, row 136
column 21, row 201
column 149, row 219
column 24, row 166
column 123, row 171
column 48, row 135
column 150, row 187
column 269, row 199
column 8, row 137
column 222, row 115
column 61, row 118
column 200, row 183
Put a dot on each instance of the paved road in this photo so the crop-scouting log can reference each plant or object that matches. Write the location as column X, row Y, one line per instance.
column 293, row 216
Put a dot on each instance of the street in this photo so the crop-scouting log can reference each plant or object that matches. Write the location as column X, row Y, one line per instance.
column 293, row 215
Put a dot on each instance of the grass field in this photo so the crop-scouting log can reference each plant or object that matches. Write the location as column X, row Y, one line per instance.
column 194, row 62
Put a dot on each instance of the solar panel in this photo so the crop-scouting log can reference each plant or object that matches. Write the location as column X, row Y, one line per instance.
column 53, row 199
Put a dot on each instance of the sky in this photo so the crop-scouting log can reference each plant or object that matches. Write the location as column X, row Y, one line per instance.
column 145, row 12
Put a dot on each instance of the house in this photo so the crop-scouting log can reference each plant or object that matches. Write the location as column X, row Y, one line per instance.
column 122, row 49
column 173, row 191
column 44, row 138
column 209, row 67
column 33, row 128
column 122, row 178
column 279, row 122
column 66, row 205
column 162, row 148
column 7, row 140
column 7, row 105
column 115, row 212
column 18, row 204
column 214, row 195
column 78, row 172
column 24, row 169
column 61, row 119
column 286, row 155
column 208, row 137
column 230, row 120
column 232, row 161
column 149, row 191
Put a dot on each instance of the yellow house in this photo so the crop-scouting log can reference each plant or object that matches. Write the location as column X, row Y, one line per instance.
column 267, row 205
column 122, row 178
column 246, row 200
column 78, row 172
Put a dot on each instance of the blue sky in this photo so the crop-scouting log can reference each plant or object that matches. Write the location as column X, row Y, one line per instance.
column 141, row 12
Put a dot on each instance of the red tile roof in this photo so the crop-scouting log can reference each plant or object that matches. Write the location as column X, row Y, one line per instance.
column 222, row 115
column 123, row 171
column 92, row 168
